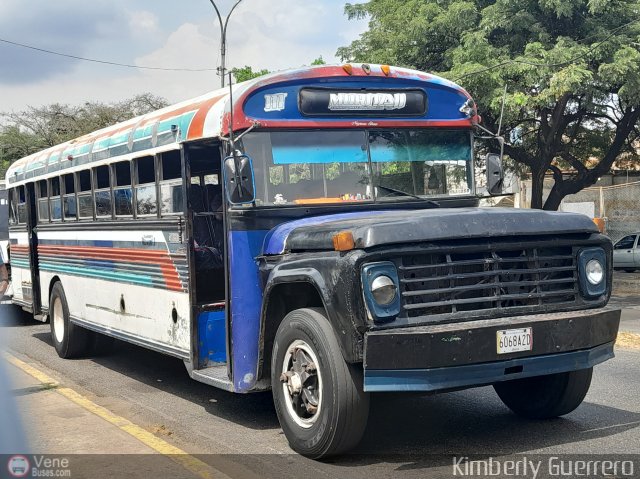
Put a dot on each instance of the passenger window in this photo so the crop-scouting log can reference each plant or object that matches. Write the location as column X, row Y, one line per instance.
column 625, row 243
column 22, row 206
column 146, row 197
column 43, row 201
column 171, row 200
column 122, row 192
column 69, row 200
column 13, row 203
column 102, row 193
column 55, row 201
column 85, row 201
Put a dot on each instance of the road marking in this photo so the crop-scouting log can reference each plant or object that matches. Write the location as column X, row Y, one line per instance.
column 628, row 340
column 192, row 464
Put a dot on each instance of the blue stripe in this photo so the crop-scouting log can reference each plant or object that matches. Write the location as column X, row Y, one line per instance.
column 246, row 305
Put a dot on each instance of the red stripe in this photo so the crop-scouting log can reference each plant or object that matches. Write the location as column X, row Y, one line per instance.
column 196, row 128
column 135, row 256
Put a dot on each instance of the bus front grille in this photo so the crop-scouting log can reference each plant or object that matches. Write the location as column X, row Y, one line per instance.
column 494, row 281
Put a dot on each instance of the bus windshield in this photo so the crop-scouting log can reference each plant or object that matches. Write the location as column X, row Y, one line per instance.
column 328, row 166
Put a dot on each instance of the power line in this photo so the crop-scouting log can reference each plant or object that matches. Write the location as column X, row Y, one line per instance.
column 552, row 65
column 104, row 62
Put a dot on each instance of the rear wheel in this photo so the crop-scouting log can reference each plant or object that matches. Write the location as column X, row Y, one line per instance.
column 544, row 397
column 69, row 339
column 318, row 397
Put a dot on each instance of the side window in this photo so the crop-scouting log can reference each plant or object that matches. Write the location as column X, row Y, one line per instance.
column 22, row 205
column 69, row 199
column 102, row 193
column 146, row 196
column 625, row 243
column 42, row 189
column 171, row 201
column 55, row 201
column 122, row 192
column 85, row 201
column 13, row 207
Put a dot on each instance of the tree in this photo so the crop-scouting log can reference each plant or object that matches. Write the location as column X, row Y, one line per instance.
column 246, row 73
column 571, row 68
column 36, row 128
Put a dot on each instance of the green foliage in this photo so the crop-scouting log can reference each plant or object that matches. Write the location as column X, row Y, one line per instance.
column 36, row 128
column 246, row 73
column 318, row 61
column 571, row 67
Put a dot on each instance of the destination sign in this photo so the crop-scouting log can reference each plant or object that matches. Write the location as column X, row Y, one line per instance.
column 325, row 102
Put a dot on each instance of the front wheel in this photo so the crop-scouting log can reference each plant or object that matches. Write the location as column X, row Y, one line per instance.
column 544, row 397
column 318, row 397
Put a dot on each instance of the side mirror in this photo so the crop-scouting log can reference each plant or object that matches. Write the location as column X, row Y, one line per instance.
column 495, row 174
column 238, row 179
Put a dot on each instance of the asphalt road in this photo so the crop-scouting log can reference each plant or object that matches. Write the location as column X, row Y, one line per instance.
column 155, row 392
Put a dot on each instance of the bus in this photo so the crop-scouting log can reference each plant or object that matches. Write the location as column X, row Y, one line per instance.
column 4, row 239
column 315, row 232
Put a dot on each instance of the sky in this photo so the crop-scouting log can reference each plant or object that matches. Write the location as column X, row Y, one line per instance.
column 271, row 34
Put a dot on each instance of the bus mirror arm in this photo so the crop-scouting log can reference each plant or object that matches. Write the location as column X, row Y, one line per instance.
column 254, row 125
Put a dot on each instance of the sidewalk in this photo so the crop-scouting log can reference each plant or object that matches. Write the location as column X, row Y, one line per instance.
column 58, row 426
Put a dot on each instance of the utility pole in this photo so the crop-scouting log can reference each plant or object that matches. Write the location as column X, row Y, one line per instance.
column 223, row 39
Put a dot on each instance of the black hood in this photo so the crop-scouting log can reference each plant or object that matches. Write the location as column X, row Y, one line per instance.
column 376, row 228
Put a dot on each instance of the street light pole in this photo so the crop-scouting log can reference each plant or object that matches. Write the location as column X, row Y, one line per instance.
column 223, row 38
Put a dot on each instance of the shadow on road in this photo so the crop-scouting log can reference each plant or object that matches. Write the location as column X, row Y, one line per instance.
column 12, row 316
column 407, row 430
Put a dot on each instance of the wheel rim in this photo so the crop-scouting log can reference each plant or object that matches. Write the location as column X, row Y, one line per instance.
column 302, row 384
column 58, row 320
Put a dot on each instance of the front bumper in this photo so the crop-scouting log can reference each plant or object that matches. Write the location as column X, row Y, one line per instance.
column 456, row 355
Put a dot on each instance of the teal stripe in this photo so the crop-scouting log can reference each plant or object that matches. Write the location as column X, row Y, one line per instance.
column 98, row 273
column 19, row 263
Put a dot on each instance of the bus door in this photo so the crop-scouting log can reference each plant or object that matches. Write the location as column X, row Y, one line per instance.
column 32, row 233
column 207, row 258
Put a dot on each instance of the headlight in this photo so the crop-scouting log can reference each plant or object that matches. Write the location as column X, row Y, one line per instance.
column 595, row 271
column 380, row 289
column 592, row 272
column 383, row 290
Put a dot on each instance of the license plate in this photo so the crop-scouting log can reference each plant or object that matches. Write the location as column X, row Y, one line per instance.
column 514, row 340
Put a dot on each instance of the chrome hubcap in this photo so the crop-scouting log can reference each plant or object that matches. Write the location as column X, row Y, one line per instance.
column 58, row 320
column 302, row 384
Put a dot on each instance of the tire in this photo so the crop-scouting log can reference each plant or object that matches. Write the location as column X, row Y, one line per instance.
column 333, row 387
column 69, row 339
column 544, row 397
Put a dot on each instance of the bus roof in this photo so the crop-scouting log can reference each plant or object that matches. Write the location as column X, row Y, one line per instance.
column 208, row 116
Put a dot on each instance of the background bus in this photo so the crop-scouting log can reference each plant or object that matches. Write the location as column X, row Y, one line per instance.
column 4, row 238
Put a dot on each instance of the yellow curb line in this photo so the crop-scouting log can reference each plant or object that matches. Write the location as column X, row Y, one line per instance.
column 628, row 340
column 177, row 455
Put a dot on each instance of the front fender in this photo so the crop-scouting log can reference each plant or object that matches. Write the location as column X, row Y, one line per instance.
column 334, row 277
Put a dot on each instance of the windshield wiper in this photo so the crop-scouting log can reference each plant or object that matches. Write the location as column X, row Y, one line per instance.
column 405, row 193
